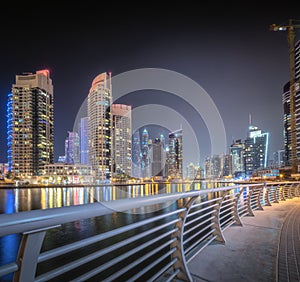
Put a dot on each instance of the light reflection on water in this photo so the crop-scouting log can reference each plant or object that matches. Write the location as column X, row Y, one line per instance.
column 24, row 199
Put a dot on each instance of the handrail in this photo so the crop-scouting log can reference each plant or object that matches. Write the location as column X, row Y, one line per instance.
column 178, row 235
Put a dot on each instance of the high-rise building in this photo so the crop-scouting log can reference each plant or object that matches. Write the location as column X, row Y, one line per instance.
column 214, row 166
column 136, row 155
column 145, row 149
column 99, row 126
column 279, row 158
column 83, row 139
column 236, row 151
column 72, row 148
column 121, row 133
column 256, row 150
column 30, row 124
column 175, row 166
column 287, row 112
column 158, row 158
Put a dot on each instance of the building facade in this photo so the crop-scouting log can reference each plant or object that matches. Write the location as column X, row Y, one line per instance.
column 145, row 150
column 287, row 112
column 121, row 139
column 256, row 150
column 99, row 126
column 83, row 140
column 30, row 124
column 136, row 155
column 72, row 148
column 236, row 152
column 175, row 158
column 158, row 158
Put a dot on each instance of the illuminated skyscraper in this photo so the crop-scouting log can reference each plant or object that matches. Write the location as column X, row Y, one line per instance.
column 121, row 149
column 175, row 154
column 236, row 151
column 72, row 148
column 30, row 124
column 256, row 150
column 136, row 155
column 145, row 148
column 99, row 126
column 158, row 158
column 83, row 139
column 287, row 111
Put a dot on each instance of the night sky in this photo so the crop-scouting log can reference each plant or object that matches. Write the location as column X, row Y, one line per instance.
column 228, row 50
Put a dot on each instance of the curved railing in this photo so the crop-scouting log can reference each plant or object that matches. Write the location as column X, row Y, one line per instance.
column 156, row 248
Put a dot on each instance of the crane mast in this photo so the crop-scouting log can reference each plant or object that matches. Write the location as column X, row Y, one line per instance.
column 290, row 28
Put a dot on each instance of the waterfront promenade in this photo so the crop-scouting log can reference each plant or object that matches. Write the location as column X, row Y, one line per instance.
column 265, row 248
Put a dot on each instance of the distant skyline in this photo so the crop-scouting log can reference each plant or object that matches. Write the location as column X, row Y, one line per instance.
column 227, row 49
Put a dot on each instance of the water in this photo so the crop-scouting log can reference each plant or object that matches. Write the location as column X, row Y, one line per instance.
column 16, row 200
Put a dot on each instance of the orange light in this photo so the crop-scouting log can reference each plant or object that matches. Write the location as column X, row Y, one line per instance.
column 44, row 72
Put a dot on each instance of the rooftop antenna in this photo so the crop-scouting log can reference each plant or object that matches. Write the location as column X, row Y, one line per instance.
column 250, row 120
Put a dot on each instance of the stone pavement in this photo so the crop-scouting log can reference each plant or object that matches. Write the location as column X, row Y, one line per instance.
column 265, row 248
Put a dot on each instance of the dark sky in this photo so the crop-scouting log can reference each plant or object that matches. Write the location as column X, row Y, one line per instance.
column 226, row 48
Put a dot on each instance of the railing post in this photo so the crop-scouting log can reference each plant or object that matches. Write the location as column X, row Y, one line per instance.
column 249, row 208
column 267, row 195
column 235, row 212
column 29, row 251
column 276, row 193
column 181, row 263
column 282, row 195
column 217, row 225
column 259, row 206
column 297, row 193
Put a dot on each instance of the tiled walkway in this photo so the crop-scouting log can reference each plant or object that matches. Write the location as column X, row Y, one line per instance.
column 265, row 248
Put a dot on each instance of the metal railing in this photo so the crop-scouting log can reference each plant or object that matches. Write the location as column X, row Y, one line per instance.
column 151, row 248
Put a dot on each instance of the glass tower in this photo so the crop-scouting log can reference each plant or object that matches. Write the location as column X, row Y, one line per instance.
column 30, row 129
column 99, row 126
column 121, row 153
column 175, row 169
column 256, row 150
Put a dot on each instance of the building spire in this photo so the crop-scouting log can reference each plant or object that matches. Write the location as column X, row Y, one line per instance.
column 250, row 120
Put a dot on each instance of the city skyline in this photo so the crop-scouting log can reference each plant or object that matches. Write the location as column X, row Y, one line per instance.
column 244, row 70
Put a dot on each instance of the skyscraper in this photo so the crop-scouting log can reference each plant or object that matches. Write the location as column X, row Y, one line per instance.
column 99, row 126
column 30, row 124
column 256, row 150
column 136, row 155
column 236, row 151
column 175, row 154
column 158, row 158
column 72, row 148
column 145, row 149
column 121, row 128
column 83, row 139
column 287, row 112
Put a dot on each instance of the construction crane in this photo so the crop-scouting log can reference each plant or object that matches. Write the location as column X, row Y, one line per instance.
column 290, row 28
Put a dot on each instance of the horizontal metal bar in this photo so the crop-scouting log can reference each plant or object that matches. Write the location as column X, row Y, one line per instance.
column 8, row 268
column 227, row 226
column 201, row 210
column 85, row 242
column 198, row 225
column 206, row 202
column 201, row 249
column 187, row 223
column 170, row 279
column 67, row 267
column 200, row 240
column 226, row 210
column 141, row 273
column 226, row 221
column 226, row 200
column 199, row 232
column 133, row 264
